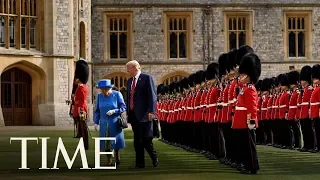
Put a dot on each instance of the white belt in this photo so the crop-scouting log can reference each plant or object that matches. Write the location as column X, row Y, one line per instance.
column 170, row 111
column 179, row 109
column 241, row 108
column 232, row 101
column 292, row 107
column 283, row 106
column 175, row 110
column 304, row 103
column 212, row 105
column 269, row 107
column 190, row 108
column 275, row 106
column 316, row 103
column 264, row 109
column 165, row 111
column 224, row 104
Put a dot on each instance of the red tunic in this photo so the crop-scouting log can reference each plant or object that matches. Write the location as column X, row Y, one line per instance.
column 264, row 107
column 284, row 104
column 213, row 99
column 224, row 118
column 203, row 105
column 315, row 103
column 80, row 100
column 269, row 108
column 197, row 115
column 276, row 107
column 232, row 98
column 259, row 103
column 219, row 107
column 293, row 105
column 189, row 107
column 246, row 104
column 305, row 104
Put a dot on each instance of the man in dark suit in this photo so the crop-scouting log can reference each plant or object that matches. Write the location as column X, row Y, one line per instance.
column 141, row 109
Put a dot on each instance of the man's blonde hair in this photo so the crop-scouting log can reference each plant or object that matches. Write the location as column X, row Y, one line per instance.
column 134, row 63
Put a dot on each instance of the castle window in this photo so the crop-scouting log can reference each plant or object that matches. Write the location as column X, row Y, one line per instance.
column 238, row 27
column 118, row 36
column 178, row 35
column 18, row 24
column 297, row 34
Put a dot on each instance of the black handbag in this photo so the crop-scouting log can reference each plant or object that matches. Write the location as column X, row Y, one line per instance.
column 156, row 132
column 122, row 120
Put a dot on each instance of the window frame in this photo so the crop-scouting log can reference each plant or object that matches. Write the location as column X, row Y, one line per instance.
column 106, row 17
column 19, row 9
column 249, row 26
column 308, row 36
column 190, row 30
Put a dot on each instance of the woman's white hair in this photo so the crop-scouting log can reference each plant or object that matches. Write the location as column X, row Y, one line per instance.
column 134, row 63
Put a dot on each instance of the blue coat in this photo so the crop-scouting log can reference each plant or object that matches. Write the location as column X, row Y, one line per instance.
column 103, row 105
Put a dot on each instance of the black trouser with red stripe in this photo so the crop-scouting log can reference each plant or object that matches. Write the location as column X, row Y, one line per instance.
column 309, row 136
column 246, row 146
column 316, row 122
column 228, row 139
column 83, row 131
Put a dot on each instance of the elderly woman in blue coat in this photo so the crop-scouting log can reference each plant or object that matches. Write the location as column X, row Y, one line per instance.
column 110, row 104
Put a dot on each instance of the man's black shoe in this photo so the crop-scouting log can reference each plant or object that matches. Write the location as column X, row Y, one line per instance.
column 155, row 162
column 139, row 166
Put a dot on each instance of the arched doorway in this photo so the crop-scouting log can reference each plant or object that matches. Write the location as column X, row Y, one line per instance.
column 173, row 77
column 16, row 97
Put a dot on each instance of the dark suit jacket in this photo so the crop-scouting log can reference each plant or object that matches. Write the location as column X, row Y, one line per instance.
column 145, row 97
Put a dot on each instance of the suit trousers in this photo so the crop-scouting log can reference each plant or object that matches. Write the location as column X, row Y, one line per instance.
column 83, row 131
column 141, row 139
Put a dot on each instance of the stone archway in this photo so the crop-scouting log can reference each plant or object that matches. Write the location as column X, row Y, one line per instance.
column 173, row 77
column 32, row 79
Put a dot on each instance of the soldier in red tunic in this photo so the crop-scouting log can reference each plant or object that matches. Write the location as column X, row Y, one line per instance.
column 294, row 124
column 315, row 102
column 286, row 135
column 245, row 119
column 260, row 132
column 80, row 112
column 275, row 114
column 307, row 127
column 269, row 122
column 212, row 99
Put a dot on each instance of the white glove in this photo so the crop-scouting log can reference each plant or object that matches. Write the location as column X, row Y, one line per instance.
column 96, row 127
column 251, row 126
column 111, row 112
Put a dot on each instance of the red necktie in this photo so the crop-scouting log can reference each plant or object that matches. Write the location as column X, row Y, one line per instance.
column 132, row 92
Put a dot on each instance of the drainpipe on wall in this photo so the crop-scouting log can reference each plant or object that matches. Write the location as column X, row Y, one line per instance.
column 203, row 40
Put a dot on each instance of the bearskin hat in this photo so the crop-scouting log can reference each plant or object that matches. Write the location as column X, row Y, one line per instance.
column 284, row 80
column 243, row 50
column 232, row 59
column 160, row 89
column 82, row 71
column 223, row 64
column 185, row 83
column 172, row 88
column 177, row 87
column 276, row 81
column 212, row 71
column 165, row 89
column 258, row 85
column 198, row 77
column 316, row 71
column 293, row 77
column 203, row 77
column 191, row 80
column 266, row 84
column 305, row 74
column 251, row 65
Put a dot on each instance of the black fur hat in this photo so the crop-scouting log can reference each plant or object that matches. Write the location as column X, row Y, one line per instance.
column 316, row 71
column 232, row 59
column 198, row 77
column 212, row 71
column 204, row 76
column 165, row 89
column 82, row 71
column 293, row 77
column 160, row 89
column 223, row 64
column 191, row 80
column 276, row 81
column 306, row 73
column 284, row 80
column 172, row 88
column 243, row 50
column 258, row 85
column 251, row 65
column 266, row 84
